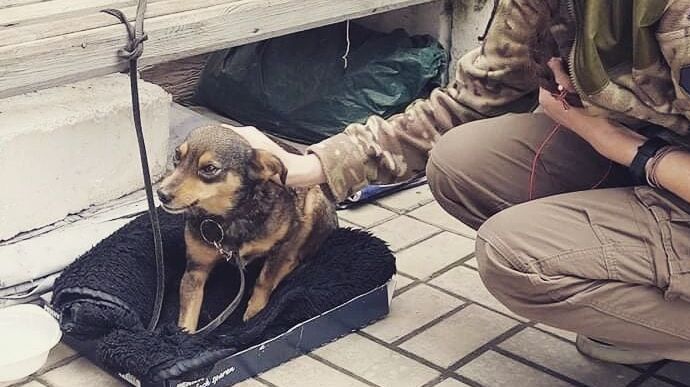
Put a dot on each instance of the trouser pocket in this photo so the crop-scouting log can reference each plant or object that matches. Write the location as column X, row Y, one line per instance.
column 673, row 217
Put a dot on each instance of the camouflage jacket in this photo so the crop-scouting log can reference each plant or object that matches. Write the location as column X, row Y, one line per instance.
column 627, row 59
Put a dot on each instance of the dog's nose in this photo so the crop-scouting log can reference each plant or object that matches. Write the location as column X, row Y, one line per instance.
column 165, row 197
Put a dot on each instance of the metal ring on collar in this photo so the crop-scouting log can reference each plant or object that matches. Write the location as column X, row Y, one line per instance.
column 203, row 234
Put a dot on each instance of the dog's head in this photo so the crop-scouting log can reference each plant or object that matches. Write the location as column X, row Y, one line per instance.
column 212, row 169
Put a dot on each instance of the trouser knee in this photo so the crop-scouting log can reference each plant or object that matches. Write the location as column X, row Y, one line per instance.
column 509, row 278
column 454, row 176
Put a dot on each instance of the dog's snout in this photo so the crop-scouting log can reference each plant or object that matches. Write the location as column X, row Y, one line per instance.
column 165, row 197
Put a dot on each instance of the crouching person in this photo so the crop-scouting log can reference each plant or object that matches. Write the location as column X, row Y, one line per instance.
column 583, row 210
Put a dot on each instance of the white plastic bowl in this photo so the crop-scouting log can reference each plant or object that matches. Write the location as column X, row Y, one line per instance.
column 27, row 334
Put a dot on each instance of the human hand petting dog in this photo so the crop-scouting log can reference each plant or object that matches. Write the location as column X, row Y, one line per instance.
column 303, row 170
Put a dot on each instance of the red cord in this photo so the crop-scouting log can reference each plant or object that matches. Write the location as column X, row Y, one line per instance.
column 537, row 155
column 603, row 178
column 533, row 173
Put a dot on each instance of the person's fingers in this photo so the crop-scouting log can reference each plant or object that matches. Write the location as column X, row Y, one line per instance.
column 560, row 74
column 255, row 138
column 544, row 96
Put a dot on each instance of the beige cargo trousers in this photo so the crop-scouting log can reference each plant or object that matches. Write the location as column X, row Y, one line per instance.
column 590, row 254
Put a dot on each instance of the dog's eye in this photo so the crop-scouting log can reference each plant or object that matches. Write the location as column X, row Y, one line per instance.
column 209, row 169
column 176, row 156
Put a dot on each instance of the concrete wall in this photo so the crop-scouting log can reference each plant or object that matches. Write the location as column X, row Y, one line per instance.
column 70, row 147
column 470, row 18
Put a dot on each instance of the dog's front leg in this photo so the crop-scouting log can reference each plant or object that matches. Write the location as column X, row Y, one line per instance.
column 274, row 270
column 192, row 295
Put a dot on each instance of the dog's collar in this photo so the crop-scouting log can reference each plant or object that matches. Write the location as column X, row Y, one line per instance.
column 213, row 233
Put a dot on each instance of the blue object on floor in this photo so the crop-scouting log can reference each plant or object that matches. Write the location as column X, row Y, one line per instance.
column 373, row 192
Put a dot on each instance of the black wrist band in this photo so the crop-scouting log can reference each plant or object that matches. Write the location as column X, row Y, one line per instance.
column 645, row 152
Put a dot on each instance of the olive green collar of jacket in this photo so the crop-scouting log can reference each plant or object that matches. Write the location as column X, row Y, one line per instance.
column 613, row 33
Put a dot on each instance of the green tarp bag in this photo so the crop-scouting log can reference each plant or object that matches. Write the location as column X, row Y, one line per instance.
column 296, row 86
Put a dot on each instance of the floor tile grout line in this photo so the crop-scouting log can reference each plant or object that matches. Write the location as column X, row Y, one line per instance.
column 38, row 376
column 468, row 303
column 435, row 381
column 403, row 352
column 340, row 369
column 464, row 379
column 421, row 240
column 452, row 376
column 24, row 381
column 487, row 346
column 406, row 214
column 264, row 381
column 670, row 381
column 428, row 325
column 439, row 232
column 639, row 380
column 405, row 275
column 446, row 229
column 436, row 232
column 375, row 224
column 450, row 230
column 406, row 210
column 538, row 367
column 555, row 336
column 651, row 373
column 58, row 364
column 43, row 381
column 450, row 370
column 459, row 262
column 467, row 300
column 464, row 299
column 407, row 288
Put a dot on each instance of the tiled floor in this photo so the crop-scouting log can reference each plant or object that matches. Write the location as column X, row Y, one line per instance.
column 445, row 329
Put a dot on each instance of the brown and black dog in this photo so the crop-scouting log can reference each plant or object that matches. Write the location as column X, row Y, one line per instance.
column 219, row 177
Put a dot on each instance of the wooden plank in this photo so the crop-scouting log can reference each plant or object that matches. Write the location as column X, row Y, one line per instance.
column 16, row 3
column 34, row 30
column 15, row 15
column 48, row 62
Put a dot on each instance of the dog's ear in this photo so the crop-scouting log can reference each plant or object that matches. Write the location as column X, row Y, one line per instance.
column 264, row 165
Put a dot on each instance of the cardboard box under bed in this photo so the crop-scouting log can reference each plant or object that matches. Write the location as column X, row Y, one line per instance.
column 302, row 338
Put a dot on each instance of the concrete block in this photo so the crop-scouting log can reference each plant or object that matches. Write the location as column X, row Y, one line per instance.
column 66, row 148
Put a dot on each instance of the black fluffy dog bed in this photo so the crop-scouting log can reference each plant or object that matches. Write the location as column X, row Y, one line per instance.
column 107, row 296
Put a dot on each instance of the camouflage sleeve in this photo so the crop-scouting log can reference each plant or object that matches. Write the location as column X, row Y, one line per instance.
column 496, row 78
column 674, row 42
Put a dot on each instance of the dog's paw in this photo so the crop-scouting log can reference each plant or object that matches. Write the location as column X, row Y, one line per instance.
column 252, row 309
column 187, row 329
